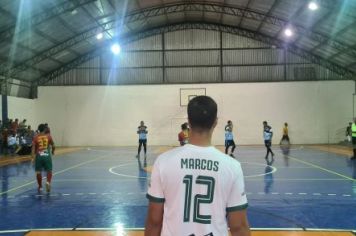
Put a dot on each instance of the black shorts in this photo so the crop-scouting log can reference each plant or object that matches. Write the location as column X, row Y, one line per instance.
column 142, row 141
column 229, row 143
column 268, row 143
column 354, row 140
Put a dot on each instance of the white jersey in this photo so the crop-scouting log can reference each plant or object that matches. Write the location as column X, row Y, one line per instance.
column 198, row 186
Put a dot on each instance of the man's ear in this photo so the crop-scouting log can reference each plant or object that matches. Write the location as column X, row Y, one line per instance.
column 215, row 122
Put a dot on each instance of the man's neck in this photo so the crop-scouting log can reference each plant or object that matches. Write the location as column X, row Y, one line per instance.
column 202, row 139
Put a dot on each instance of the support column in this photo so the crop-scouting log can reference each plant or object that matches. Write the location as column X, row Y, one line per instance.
column 4, row 104
column 285, row 63
column 4, row 108
column 163, row 59
column 221, row 58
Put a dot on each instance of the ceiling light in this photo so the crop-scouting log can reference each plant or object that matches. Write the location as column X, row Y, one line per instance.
column 288, row 32
column 313, row 6
column 99, row 36
column 115, row 48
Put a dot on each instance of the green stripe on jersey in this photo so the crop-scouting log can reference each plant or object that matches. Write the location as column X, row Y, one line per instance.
column 237, row 208
column 155, row 199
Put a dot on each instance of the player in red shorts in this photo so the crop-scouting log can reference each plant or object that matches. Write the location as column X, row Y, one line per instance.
column 42, row 151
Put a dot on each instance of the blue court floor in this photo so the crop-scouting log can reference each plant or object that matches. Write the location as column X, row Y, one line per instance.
column 103, row 187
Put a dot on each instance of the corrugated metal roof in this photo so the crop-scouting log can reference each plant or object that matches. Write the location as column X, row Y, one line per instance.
column 50, row 35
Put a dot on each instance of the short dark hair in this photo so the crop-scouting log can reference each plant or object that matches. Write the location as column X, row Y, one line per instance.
column 42, row 128
column 202, row 111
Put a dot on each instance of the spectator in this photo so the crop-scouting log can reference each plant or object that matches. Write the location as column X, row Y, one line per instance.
column 22, row 128
column 5, row 134
column 8, row 123
column 12, row 143
column 15, row 126
column 23, row 124
column 26, row 142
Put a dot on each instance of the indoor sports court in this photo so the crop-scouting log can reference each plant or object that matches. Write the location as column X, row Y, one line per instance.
column 110, row 82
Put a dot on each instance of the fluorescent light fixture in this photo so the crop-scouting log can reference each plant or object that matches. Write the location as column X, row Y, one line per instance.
column 288, row 32
column 313, row 6
column 99, row 36
column 115, row 48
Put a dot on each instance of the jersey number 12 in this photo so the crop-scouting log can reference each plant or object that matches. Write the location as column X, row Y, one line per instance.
column 198, row 198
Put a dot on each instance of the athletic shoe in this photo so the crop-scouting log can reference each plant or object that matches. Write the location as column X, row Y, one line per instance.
column 48, row 187
column 39, row 190
column 232, row 155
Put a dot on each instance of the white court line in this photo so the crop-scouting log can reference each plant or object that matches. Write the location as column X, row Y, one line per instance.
column 56, row 173
column 111, row 170
column 321, row 168
column 129, row 176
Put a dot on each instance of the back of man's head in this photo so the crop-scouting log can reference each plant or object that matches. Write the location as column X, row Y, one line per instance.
column 42, row 128
column 202, row 111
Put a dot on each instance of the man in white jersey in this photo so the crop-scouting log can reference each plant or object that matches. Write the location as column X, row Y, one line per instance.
column 195, row 189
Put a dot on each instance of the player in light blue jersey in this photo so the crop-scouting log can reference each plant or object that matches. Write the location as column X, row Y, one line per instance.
column 267, row 136
column 142, row 138
column 229, row 138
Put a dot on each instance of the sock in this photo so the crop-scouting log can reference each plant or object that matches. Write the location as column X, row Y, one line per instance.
column 39, row 180
column 49, row 176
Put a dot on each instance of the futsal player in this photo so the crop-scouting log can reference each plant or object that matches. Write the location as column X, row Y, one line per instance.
column 196, row 189
column 183, row 136
column 42, row 151
column 142, row 138
column 285, row 136
column 267, row 136
column 229, row 138
column 353, row 130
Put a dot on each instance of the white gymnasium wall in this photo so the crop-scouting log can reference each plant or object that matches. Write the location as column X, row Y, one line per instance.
column 109, row 115
column 21, row 108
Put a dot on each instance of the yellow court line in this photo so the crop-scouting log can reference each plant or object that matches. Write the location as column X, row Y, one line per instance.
column 56, row 173
column 322, row 168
